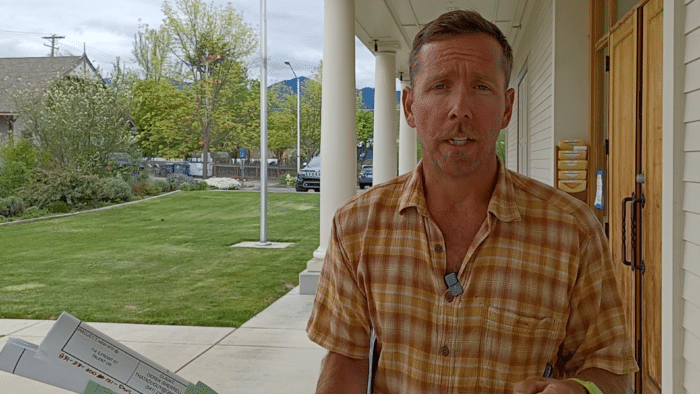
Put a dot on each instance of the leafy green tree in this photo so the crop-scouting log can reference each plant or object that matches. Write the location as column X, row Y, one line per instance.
column 311, row 95
column 78, row 123
column 152, row 52
column 501, row 145
column 365, row 125
column 161, row 111
column 213, row 44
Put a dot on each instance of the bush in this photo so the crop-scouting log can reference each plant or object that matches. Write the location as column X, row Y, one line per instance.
column 144, row 189
column 163, row 186
column 13, row 175
column 73, row 187
column 11, row 206
column 59, row 207
column 115, row 190
column 185, row 183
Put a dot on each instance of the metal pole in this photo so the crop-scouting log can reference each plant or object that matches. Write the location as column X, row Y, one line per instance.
column 263, row 124
column 298, row 126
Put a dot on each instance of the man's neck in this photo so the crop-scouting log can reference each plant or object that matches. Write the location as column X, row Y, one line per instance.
column 472, row 191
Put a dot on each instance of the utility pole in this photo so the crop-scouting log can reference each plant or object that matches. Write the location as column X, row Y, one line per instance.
column 53, row 39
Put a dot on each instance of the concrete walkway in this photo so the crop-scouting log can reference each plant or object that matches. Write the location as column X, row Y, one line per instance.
column 268, row 354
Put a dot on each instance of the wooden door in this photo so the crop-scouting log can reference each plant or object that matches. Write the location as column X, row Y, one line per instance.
column 635, row 166
column 652, row 153
column 621, row 161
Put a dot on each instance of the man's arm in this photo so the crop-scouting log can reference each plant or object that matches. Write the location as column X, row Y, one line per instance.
column 340, row 374
column 607, row 382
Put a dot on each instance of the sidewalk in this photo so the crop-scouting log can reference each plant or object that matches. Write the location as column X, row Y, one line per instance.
column 270, row 353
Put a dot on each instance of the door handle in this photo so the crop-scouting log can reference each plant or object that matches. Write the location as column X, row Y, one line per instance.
column 624, row 229
column 635, row 228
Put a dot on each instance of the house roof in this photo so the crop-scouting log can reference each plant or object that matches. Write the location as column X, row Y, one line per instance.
column 36, row 72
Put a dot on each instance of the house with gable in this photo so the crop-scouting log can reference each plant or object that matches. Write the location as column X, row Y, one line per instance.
column 35, row 73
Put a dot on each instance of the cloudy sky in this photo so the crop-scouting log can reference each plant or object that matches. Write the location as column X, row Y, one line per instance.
column 107, row 28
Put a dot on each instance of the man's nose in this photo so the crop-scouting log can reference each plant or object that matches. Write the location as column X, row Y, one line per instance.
column 461, row 104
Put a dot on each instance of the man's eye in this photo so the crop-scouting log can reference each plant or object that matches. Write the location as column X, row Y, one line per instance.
column 440, row 86
column 482, row 87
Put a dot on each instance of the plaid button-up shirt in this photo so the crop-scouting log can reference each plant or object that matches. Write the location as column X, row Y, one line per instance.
column 538, row 289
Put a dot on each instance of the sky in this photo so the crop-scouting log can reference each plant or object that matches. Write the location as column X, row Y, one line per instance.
column 107, row 28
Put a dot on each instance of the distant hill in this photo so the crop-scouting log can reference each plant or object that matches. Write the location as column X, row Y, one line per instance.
column 368, row 98
column 367, row 93
column 291, row 83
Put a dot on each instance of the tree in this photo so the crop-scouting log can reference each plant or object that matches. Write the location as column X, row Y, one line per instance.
column 78, row 122
column 365, row 125
column 213, row 44
column 152, row 51
column 161, row 111
column 311, row 99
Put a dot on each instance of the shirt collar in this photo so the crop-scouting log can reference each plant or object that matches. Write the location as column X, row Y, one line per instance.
column 502, row 204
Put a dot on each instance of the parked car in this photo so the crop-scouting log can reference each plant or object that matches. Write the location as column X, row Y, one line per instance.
column 365, row 177
column 309, row 177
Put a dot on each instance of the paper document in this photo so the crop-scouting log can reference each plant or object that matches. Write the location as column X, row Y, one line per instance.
column 599, row 190
column 17, row 357
column 95, row 356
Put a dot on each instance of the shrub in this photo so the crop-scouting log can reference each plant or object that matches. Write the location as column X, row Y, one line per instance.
column 176, row 180
column 185, row 183
column 163, row 186
column 13, row 175
column 115, row 190
column 59, row 207
column 35, row 212
column 144, row 189
column 11, row 206
column 73, row 187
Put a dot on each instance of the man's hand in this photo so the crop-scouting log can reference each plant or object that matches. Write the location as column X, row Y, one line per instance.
column 534, row 385
column 341, row 374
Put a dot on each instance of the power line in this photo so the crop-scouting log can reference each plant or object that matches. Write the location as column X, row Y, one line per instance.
column 23, row 32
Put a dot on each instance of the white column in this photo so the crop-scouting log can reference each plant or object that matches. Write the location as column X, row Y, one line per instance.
column 385, row 163
column 408, row 152
column 338, row 130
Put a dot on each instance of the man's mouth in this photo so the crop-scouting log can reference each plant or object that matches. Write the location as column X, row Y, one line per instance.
column 460, row 141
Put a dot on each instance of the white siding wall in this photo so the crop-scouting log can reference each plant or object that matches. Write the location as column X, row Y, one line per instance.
column 691, row 205
column 512, row 137
column 535, row 45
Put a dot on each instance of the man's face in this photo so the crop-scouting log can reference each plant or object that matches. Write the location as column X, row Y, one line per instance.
column 459, row 103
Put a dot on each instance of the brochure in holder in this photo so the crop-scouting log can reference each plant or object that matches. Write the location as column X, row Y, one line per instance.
column 79, row 358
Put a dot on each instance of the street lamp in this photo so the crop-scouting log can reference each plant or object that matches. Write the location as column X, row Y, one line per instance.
column 298, row 119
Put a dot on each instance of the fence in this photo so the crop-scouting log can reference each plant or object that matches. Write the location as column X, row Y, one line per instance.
column 251, row 171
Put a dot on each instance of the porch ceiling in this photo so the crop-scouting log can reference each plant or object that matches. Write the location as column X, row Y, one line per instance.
column 394, row 23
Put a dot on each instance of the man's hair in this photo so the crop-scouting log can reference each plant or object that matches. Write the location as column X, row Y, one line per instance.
column 459, row 23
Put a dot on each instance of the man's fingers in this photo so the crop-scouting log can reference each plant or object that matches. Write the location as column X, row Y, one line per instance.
column 539, row 385
column 531, row 385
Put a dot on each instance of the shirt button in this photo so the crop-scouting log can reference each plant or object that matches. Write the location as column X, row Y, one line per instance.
column 445, row 351
column 449, row 297
column 438, row 248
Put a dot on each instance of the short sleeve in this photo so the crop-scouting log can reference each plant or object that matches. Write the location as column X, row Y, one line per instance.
column 597, row 334
column 339, row 320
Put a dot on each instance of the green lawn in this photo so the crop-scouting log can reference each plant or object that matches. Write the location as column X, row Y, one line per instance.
column 162, row 261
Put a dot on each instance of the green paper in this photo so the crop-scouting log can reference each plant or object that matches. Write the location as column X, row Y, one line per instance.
column 94, row 388
column 199, row 388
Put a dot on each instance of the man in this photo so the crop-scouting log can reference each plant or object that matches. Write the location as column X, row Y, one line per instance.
column 475, row 279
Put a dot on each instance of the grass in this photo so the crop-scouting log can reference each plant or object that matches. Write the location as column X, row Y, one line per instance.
column 162, row 261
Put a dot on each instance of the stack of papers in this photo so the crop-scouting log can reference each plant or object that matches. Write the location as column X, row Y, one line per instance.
column 79, row 358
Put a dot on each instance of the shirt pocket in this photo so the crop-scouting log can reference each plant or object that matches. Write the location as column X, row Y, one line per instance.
column 515, row 347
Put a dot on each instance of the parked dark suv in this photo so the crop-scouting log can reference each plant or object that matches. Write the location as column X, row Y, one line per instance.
column 310, row 176
column 365, row 177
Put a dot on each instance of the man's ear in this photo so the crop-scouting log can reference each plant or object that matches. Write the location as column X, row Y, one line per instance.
column 508, row 112
column 407, row 101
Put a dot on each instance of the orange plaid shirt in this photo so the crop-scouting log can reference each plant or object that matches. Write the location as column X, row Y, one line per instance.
column 538, row 289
